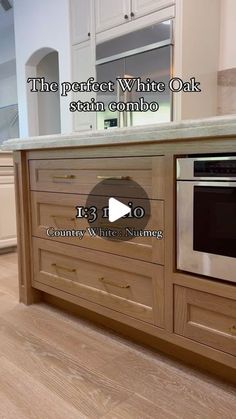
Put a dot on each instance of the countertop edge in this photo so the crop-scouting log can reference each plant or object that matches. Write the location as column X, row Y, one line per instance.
column 206, row 128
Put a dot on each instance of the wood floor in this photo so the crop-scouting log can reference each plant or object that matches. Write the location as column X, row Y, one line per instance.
column 55, row 366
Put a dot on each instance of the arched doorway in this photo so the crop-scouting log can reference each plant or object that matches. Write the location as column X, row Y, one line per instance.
column 43, row 108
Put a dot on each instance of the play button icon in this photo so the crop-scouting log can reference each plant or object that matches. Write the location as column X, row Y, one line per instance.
column 117, row 210
column 116, row 205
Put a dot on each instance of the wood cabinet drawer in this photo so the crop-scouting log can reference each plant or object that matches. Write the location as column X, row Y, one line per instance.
column 133, row 288
column 206, row 318
column 6, row 159
column 57, row 211
column 6, row 171
column 81, row 175
column 6, row 175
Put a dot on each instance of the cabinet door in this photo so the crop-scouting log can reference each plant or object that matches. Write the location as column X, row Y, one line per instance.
column 111, row 13
column 7, row 212
column 83, row 68
column 80, row 20
column 143, row 7
column 206, row 318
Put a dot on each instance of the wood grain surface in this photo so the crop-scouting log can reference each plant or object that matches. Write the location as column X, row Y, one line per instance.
column 54, row 365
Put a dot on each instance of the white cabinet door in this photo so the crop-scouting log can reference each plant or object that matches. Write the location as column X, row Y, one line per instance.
column 83, row 69
column 80, row 20
column 144, row 7
column 111, row 13
column 7, row 212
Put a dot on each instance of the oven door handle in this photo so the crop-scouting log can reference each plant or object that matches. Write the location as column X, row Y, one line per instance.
column 221, row 184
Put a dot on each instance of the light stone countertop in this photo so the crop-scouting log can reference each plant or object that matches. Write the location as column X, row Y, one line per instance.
column 189, row 129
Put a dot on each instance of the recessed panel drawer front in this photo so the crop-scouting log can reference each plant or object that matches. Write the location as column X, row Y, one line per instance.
column 5, row 160
column 6, row 171
column 57, row 211
column 81, row 175
column 206, row 318
column 135, row 289
column 6, row 175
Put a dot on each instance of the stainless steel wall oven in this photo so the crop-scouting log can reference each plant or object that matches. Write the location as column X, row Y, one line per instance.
column 206, row 216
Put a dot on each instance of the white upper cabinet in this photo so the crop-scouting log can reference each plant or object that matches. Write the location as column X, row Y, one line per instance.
column 108, row 14
column 83, row 68
column 80, row 20
column 143, row 7
column 111, row 13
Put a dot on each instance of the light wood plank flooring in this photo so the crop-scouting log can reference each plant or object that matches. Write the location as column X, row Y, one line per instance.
column 56, row 366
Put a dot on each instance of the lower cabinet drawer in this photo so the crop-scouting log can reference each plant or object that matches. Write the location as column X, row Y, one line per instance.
column 57, row 211
column 206, row 318
column 132, row 287
column 79, row 176
column 6, row 170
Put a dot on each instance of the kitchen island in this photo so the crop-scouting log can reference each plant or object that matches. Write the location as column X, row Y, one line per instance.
column 133, row 286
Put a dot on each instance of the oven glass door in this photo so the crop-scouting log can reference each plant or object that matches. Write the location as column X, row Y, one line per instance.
column 214, row 220
column 206, row 228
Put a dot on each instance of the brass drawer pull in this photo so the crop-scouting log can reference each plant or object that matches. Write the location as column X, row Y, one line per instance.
column 64, row 177
column 113, row 177
column 233, row 330
column 105, row 281
column 64, row 268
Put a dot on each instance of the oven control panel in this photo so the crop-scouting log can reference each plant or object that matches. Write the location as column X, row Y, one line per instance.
column 215, row 168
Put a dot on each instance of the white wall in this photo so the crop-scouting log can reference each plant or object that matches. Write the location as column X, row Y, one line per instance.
column 42, row 24
column 8, row 89
column 8, row 92
column 7, row 47
column 228, row 35
column 197, row 55
column 49, row 102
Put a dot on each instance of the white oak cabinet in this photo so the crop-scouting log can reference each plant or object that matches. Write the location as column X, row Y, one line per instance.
column 7, row 203
column 80, row 20
column 136, row 282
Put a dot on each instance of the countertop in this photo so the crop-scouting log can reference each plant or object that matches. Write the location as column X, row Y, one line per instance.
column 189, row 129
